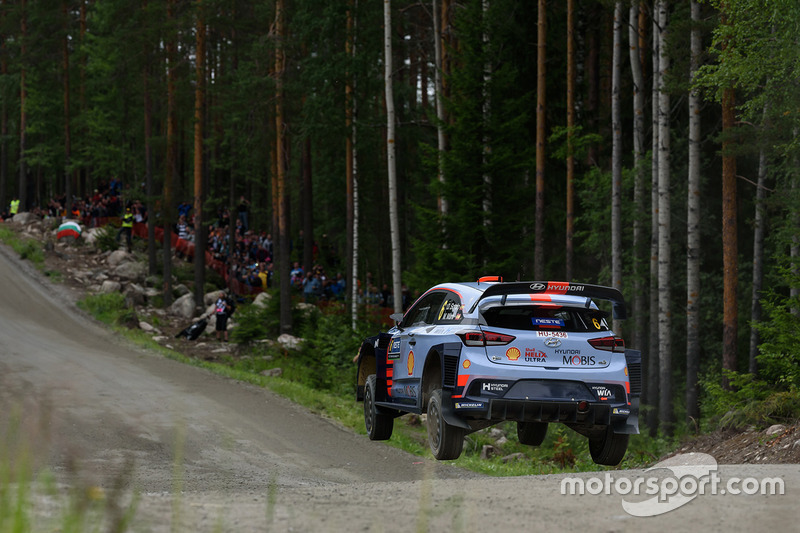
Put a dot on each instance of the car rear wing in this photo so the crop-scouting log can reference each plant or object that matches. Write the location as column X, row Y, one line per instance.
column 559, row 287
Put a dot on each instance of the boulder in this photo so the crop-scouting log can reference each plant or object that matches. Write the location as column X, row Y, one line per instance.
column 24, row 218
column 183, row 307
column 775, row 429
column 272, row 372
column 262, row 299
column 118, row 257
column 210, row 298
column 130, row 271
column 109, row 287
column 289, row 342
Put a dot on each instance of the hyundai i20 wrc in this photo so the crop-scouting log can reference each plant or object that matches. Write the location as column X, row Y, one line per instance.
column 475, row 354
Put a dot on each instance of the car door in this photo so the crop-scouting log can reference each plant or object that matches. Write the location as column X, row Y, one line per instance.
column 410, row 345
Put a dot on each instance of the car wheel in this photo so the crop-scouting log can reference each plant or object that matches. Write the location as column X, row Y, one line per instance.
column 609, row 449
column 446, row 441
column 379, row 426
column 531, row 433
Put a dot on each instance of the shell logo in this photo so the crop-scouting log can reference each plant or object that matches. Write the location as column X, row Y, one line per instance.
column 513, row 353
column 410, row 362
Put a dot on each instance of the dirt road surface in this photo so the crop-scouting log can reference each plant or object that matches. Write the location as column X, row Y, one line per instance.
column 213, row 454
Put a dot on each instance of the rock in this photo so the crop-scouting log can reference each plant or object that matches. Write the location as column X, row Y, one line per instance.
column 134, row 295
column 796, row 444
column 272, row 372
column 182, row 290
column 519, row 456
column 502, row 441
column 496, row 433
column 210, row 298
column 130, row 271
column 290, row 342
column 262, row 299
column 775, row 429
column 488, row 451
column 183, row 306
column 109, row 287
column 144, row 326
column 24, row 218
column 118, row 257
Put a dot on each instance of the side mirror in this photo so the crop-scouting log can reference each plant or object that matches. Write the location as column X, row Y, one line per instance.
column 397, row 317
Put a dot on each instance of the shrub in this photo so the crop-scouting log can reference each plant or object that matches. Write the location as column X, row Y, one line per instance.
column 106, row 238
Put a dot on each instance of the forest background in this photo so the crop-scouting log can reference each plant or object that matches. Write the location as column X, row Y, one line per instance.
column 651, row 146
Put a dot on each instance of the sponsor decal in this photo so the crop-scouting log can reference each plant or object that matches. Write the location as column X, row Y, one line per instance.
column 469, row 405
column 488, row 386
column 552, row 342
column 410, row 362
column 548, row 322
column 596, row 323
column 467, row 363
column 394, row 349
column 556, row 286
column 409, row 391
column 513, row 353
column 538, row 286
column 603, row 392
column 578, row 360
column 559, row 334
column 620, row 411
column 604, row 363
column 533, row 355
column 564, row 351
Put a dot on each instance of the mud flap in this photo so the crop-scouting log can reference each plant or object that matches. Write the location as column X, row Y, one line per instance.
column 628, row 425
column 449, row 413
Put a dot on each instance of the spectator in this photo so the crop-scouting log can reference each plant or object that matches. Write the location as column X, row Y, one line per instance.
column 223, row 310
column 242, row 210
column 312, row 288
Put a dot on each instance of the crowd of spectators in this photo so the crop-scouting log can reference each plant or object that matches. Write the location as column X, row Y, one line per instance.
column 249, row 260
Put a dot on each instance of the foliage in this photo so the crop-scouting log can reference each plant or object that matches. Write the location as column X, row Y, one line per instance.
column 108, row 308
column 106, row 238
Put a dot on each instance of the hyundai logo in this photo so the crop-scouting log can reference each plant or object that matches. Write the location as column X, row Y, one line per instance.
column 552, row 342
column 538, row 286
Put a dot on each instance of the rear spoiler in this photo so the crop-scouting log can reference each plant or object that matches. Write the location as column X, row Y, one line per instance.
column 559, row 287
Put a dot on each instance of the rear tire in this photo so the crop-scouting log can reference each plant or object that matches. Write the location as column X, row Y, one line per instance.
column 531, row 433
column 446, row 441
column 379, row 426
column 609, row 449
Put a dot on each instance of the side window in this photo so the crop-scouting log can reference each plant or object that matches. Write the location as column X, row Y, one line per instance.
column 451, row 310
column 425, row 312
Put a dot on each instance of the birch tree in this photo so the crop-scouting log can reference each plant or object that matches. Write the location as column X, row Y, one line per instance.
column 693, row 229
column 440, row 115
column 570, row 250
column 664, row 264
column 394, row 223
column 280, row 178
column 653, row 390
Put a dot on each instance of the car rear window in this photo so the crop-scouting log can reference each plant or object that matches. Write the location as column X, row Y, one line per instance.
column 540, row 318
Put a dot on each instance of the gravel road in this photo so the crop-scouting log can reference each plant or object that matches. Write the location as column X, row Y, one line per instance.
column 214, row 454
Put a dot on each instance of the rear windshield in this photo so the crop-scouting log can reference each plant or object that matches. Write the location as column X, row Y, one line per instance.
column 539, row 318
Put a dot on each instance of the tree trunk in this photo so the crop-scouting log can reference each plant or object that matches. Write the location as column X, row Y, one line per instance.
column 440, row 113
column 541, row 92
column 394, row 223
column 730, row 269
column 693, row 233
column 635, row 30
column 67, row 146
column 759, row 231
column 199, row 193
column 486, row 116
column 23, row 95
column 352, row 178
column 172, row 155
column 664, row 263
column 653, row 390
column 280, row 139
column 616, row 156
column 3, row 116
column 570, row 248
column 148, row 159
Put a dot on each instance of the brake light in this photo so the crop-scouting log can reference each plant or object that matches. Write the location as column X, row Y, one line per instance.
column 609, row 344
column 484, row 338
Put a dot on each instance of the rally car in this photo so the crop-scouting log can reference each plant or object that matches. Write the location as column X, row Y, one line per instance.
column 474, row 354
